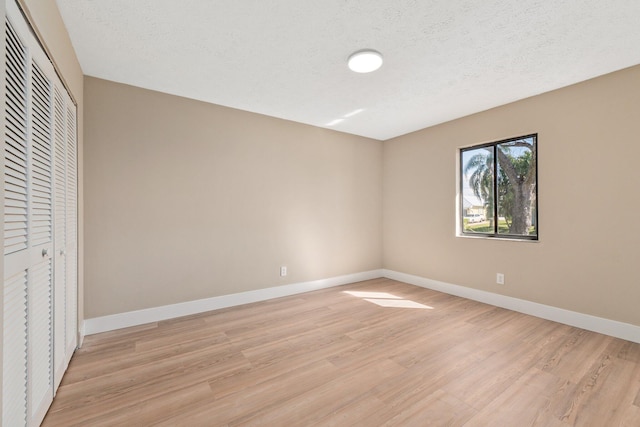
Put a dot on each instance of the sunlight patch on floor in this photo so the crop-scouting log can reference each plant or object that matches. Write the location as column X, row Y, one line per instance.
column 397, row 303
column 384, row 299
column 372, row 295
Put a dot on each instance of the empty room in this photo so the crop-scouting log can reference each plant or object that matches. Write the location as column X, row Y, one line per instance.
column 336, row 213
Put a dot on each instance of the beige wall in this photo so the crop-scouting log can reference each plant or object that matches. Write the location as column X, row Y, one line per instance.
column 187, row 200
column 588, row 256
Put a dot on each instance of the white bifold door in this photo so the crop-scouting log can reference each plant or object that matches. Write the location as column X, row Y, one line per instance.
column 40, row 228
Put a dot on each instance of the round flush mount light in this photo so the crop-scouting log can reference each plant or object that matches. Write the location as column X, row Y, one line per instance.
column 365, row 61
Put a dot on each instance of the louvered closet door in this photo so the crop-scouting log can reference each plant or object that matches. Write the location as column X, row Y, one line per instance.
column 40, row 242
column 65, row 231
column 28, row 305
column 29, row 200
column 60, row 227
column 14, row 345
column 71, row 236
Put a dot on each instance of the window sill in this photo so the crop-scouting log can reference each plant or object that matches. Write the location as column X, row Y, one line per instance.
column 502, row 239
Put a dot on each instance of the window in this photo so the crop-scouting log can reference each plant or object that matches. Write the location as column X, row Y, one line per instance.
column 499, row 189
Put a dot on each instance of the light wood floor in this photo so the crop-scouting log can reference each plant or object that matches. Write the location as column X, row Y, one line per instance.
column 334, row 358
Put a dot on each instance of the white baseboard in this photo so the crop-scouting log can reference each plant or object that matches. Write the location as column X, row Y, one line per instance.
column 139, row 317
column 156, row 314
column 613, row 328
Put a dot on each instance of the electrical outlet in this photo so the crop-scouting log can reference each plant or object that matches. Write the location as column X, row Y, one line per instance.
column 500, row 279
column 283, row 271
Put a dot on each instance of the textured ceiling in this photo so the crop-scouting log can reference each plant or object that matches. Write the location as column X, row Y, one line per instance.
column 444, row 59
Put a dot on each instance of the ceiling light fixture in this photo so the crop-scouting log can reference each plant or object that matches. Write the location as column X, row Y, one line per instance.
column 365, row 61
